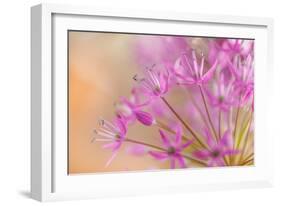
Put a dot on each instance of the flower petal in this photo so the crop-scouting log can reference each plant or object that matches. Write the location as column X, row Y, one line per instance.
column 113, row 145
column 182, row 161
column 209, row 74
column 209, row 138
column 121, row 125
column 137, row 150
column 173, row 162
column 216, row 162
column 187, row 144
column 226, row 140
column 233, row 69
column 178, row 136
column 201, row 154
column 158, row 155
column 164, row 138
column 164, row 82
column 144, row 117
column 114, row 154
column 195, row 64
column 185, row 79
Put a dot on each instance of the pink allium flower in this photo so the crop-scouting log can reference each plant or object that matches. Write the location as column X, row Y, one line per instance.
column 155, row 83
column 222, row 95
column 224, row 50
column 130, row 111
column 114, row 133
column 216, row 150
column 173, row 147
column 243, row 73
column 238, row 46
column 190, row 72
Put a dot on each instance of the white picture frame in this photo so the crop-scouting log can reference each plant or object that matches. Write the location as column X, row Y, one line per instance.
column 49, row 179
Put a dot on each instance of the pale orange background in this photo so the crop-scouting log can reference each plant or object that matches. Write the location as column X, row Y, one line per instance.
column 101, row 67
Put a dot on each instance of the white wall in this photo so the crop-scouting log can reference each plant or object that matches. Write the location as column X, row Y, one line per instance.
column 14, row 102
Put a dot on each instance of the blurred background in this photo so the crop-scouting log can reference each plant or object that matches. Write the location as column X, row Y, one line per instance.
column 101, row 68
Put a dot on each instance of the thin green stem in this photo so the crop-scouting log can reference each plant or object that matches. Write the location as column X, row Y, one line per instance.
column 236, row 123
column 208, row 113
column 183, row 122
column 246, row 125
column 219, row 124
column 251, row 156
column 145, row 144
column 235, row 128
column 246, row 138
column 198, row 108
column 248, row 161
column 210, row 120
column 219, row 131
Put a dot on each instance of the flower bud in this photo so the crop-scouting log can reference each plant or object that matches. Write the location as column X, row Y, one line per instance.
column 144, row 117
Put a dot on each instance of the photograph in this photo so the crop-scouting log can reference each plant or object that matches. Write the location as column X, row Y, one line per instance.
column 141, row 102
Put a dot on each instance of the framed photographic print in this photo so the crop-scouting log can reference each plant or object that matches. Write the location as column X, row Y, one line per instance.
column 135, row 102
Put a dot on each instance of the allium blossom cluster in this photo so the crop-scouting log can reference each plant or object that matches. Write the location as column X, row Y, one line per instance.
column 200, row 103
